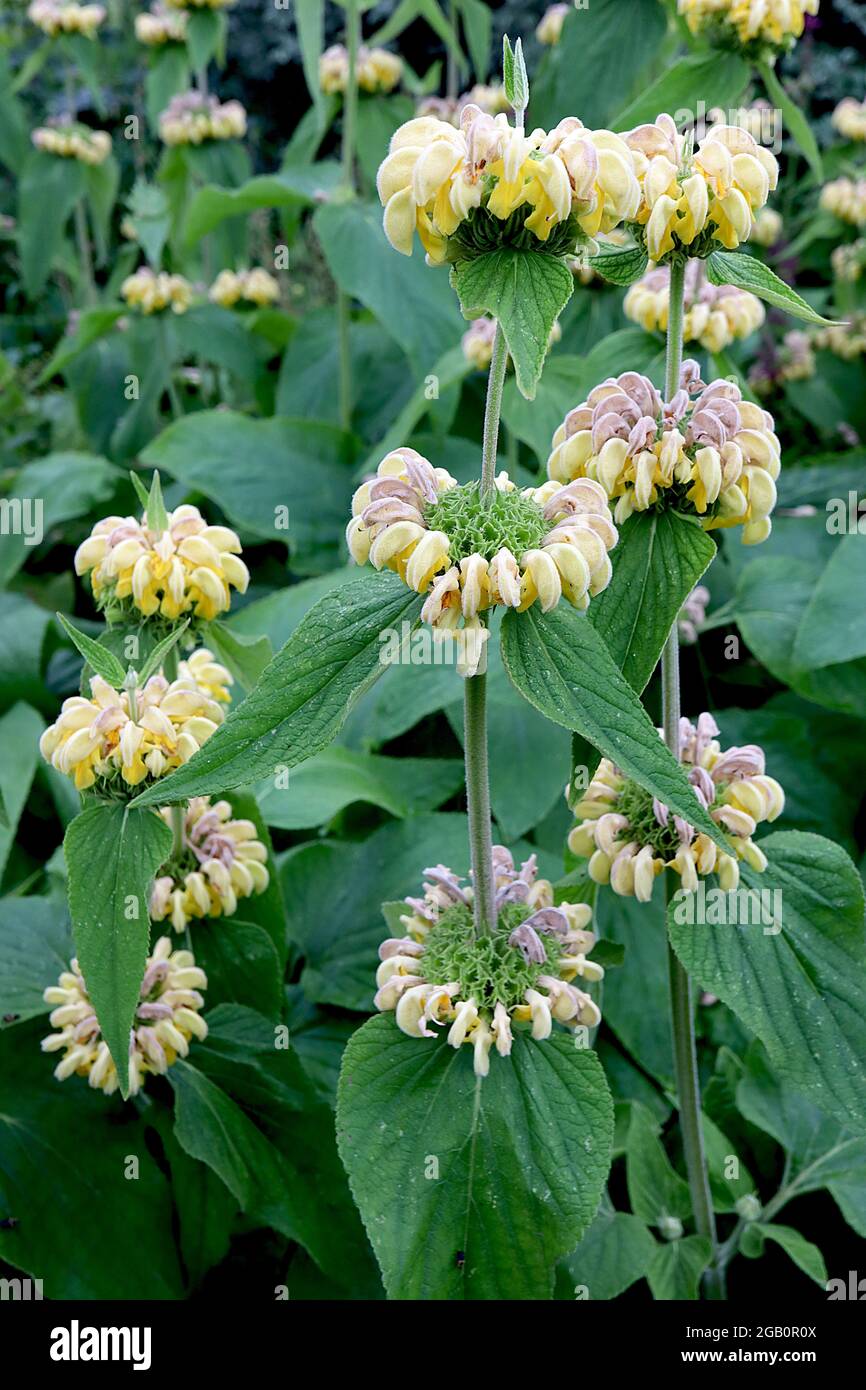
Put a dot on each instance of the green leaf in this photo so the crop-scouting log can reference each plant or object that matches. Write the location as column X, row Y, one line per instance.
column 805, row 1255
column 478, row 29
column 167, row 76
column 283, row 480
column 98, row 658
column 241, row 964
column 620, row 265
column 339, row 777
column 205, row 35
column 529, row 1143
column 800, row 989
column 112, row 854
column 637, row 999
column 833, row 627
column 49, row 189
column 747, row 273
column 295, row 186
column 601, row 60
column 35, row 947
column 161, row 651
column 658, row 560
column 64, row 1160
column 68, row 485
column 302, row 700
column 525, row 291
column 615, row 1252
column 720, row 1153
column 407, row 11
column 795, row 120
column 676, row 1268
column 245, row 657
column 657, row 1193
column 206, row 1209
column 23, row 627
column 559, row 663
column 92, row 325
column 712, row 78
column 310, row 21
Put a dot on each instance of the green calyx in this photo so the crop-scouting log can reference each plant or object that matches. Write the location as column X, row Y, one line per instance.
column 481, row 233
column 637, row 806
column 478, row 526
column 488, row 969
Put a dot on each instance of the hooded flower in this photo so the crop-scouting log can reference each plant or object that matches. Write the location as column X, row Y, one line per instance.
column 166, row 1020
column 376, row 69
column 118, row 744
column 849, row 118
column 750, row 24
column 71, row 140
column 767, row 228
column 187, row 568
column 846, row 199
column 477, row 341
column 549, row 29
column 150, row 291
column 707, row 453
column 54, row 17
column 692, row 614
column 715, row 315
column 193, row 117
column 161, row 26
column 690, row 201
column 437, row 177
column 221, row 860
column 440, row 976
column 256, row 286
column 629, row 837
column 467, row 554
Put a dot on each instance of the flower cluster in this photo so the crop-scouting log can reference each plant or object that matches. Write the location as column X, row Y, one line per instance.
column 193, row 117
column 477, row 341
column 690, row 200
column 793, row 360
column 440, row 973
column 752, row 24
column 630, row 837
column 767, row 227
column 166, row 1020
column 692, row 614
column 55, row 17
column 376, row 70
column 220, row 861
column 849, row 118
column 439, row 180
column 119, row 739
column 707, row 452
column 849, row 259
column 714, row 314
column 71, row 140
column 256, row 285
column 490, row 99
column 185, row 568
column 161, row 26
column 150, row 291
column 549, row 29
column 845, row 340
column 846, row 199
column 468, row 553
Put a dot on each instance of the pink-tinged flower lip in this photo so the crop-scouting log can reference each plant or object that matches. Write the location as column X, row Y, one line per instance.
column 529, row 943
column 442, row 876
column 551, row 920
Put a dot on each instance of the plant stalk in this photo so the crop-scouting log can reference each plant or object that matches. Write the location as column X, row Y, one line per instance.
column 478, row 801
column 350, row 121
column 178, row 811
column 681, row 988
column 492, row 412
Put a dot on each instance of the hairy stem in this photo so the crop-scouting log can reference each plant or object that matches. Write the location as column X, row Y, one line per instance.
column 350, row 121
column 492, row 412
column 674, row 355
column 478, row 801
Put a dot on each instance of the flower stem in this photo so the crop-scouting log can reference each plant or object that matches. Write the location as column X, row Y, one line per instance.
column 681, row 989
column 350, row 120
column 492, row 412
column 478, row 801
column 674, row 356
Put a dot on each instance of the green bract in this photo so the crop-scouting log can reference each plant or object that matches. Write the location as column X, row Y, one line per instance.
column 478, row 526
column 489, row 969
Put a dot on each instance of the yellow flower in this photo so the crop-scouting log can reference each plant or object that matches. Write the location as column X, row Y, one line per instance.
column 716, row 190
column 121, row 743
column 477, row 341
column 846, row 199
column 437, row 975
column 193, row 117
column 774, row 23
column 256, row 286
column 73, row 141
column 435, row 176
column 166, row 1020
column 220, row 862
column 849, row 118
column 187, row 568
column 54, row 17
column 150, row 292
column 376, row 69
column 715, row 315
column 767, row 227
column 630, row 838
column 715, row 456
column 549, row 29
column 537, row 545
column 161, row 26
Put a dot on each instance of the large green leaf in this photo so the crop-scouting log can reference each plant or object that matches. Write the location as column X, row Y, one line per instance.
column 603, row 53
column 804, row 1254
column 748, row 273
column 711, row 78
column 23, row 628
column 303, row 697
column 796, row 122
column 659, row 558
column 560, row 664
column 615, row 1252
column 112, row 855
column 339, row 777
column 49, row 189
column 283, row 480
column 20, row 731
column 67, row 486
column 800, row 989
column 497, row 1178
column 290, row 188
column 35, row 947
column 525, row 291
column 657, row 1193
column 66, row 1179
column 675, row 1270
column 833, row 626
